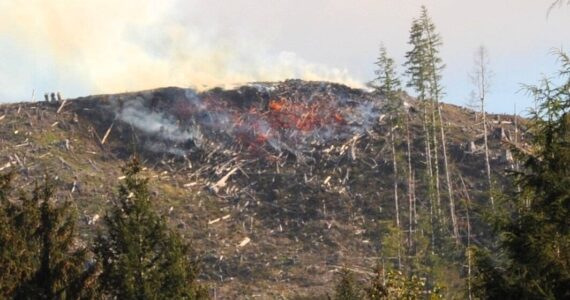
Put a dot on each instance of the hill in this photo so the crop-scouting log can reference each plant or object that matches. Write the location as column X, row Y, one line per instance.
column 278, row 184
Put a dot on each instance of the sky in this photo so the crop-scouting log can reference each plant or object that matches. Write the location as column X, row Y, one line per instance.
column 107, row 46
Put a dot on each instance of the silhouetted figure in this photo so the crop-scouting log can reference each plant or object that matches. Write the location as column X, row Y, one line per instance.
column 53, row 97
column 46, row 96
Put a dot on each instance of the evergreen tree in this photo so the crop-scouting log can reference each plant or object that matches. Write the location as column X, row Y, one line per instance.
column 416, row 67
column 423, row 68
column 12, row 271
column 533, row 259
column 395, row 285
column 434, row 66
column 388, row 85
column 391, row 244
column 418, row 78
column 347, row 288
column 376, row 288
column 386, row 82
column 39, row 258
column 140, row 256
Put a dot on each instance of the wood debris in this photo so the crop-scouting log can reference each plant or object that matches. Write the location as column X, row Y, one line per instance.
column 107, row 133
column 61, row 106
column 244, row 242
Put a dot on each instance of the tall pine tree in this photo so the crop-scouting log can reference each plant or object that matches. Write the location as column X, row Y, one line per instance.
column 434, row 68
column 387, row 84
column 418, row 79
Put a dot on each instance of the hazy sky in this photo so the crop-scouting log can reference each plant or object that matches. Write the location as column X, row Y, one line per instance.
column 104, row 46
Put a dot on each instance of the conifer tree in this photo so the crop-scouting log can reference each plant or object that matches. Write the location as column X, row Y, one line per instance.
column 424, row 68
column 533, row 258
column 435, row 66
column 395, row 285
column 416, row 70
column 39, row 258
column 347, row 288
column 141, row 257
column 387, row 84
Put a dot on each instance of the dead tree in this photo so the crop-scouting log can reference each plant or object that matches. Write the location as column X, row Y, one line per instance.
column 480, row 77
column 396, row 201
column 469, row 250
column 447, row 177
column 429, row 170
column 433, row 104
column 412, row 218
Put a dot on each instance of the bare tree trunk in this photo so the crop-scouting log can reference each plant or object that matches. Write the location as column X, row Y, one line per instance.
column 516, row 138
column 395, row 168
column 469, row 258
column 435, row 91
column 414, row 200
column 516, row 130
column 411, row 204
column 447, row 177
column 429, row 172
column 396, row 202
column 488, row 165
column 436, row 159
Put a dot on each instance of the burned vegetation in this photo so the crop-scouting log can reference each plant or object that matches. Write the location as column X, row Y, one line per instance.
column 279, row 185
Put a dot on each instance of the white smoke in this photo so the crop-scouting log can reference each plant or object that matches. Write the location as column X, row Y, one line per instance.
column 136, row 114
column 109, row 46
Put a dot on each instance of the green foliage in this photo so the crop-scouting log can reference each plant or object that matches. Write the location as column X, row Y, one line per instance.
column 391, row 243
column 347, row 287
column 394, row 285
column 385, row 285
column 38, row 255
column 423, row 64
column 434, row 64
column 533, row 259
column 416, row 67
column 386, row 82
column 140, row 256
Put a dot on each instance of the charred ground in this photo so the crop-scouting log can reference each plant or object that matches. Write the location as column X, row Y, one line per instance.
column 278, row 184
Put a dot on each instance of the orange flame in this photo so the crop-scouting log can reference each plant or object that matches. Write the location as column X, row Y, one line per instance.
column 276, row 105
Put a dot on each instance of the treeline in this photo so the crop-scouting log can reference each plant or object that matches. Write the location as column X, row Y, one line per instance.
column 522, row 248
column 430, row 233
column 134, row 256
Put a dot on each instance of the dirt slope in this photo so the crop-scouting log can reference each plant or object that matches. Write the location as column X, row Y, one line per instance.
column 278, row 184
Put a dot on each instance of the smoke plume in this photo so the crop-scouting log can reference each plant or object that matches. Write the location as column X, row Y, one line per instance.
column 115, row 46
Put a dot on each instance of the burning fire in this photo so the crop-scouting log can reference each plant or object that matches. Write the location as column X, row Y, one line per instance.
column 301, row 116
column 276, row 105
column 295, row 122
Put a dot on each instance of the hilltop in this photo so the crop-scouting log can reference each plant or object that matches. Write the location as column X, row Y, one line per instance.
column 278, row 184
